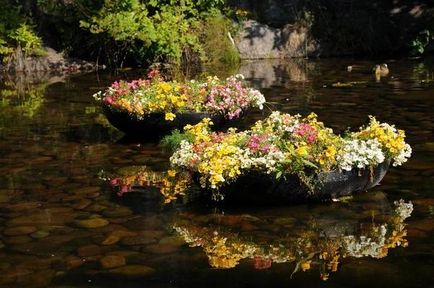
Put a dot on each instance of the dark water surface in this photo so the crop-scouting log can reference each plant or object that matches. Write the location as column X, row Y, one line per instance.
column 62, row 226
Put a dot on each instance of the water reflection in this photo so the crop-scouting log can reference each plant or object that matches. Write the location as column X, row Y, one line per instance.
column 228, row 239
column 266, row 73
column 21, row 95
column 142, row 179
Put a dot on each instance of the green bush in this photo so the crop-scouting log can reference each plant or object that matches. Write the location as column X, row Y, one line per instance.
column 215, row 36
column 151, row 31
column 16, row 32
column 25, row 37
column 119, row 32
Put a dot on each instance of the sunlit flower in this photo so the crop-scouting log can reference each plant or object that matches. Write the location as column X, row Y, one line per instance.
column 169, row 116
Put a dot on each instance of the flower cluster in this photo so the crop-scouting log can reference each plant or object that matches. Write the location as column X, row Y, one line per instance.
column 140, row 97
column 391, row 140
column 358, row 153
column 285, row 144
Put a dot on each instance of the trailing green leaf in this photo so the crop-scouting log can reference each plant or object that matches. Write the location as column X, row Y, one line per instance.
column 172, row 142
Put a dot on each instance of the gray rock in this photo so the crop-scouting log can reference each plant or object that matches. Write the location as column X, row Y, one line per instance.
column 260, row 41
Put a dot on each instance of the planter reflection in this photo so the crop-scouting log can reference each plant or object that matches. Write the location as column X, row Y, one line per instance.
column 228, row 239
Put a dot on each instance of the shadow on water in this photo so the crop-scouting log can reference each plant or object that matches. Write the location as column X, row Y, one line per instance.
column 62, row 226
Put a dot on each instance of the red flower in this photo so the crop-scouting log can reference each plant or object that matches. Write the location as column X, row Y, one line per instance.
column 153, row 73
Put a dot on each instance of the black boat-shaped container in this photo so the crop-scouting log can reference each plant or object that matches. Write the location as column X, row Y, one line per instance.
column 154, row 124
column 263, row 188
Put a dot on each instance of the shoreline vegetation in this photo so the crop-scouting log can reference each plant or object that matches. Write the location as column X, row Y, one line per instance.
column 134, row 33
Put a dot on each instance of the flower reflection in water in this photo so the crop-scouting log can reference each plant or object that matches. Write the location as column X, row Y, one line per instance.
column 225, row 248
column 170, row 183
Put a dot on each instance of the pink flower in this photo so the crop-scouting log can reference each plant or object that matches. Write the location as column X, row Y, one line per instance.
column 217, row 137
column 306, row 131
column 258, row 143
column 115, row 85
column 134, row 84
column 109, row 100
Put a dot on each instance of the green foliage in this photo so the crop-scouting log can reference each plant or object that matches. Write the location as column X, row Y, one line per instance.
column 16, row 32
column 215, row 34
column 122, row 22
column 151, row 30
column 137, row 32
column 171, row 143
column 5, row 49
column 25, row 37
column 174, row 32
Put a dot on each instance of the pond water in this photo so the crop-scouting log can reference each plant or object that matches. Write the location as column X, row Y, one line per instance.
column 61, row 225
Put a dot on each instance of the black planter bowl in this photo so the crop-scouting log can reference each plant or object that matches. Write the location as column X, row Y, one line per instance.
column 264, row 189
column 153, row 125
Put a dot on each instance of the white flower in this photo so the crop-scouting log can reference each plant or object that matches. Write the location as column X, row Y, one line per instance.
column 257, row 98
column 402, row 156
column 360, row 154
column 184, row 155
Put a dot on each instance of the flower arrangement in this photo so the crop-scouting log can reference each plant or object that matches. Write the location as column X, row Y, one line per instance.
column 284, row 144
column 140, row 97
column 226, row 248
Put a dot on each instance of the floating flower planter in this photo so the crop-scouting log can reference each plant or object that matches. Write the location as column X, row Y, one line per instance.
column 287, row 157
column 155, row 106
column 281, row 159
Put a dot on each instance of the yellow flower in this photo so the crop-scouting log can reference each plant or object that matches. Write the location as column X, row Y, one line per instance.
column 302, row 150
column 305, row 265
column 330, row 152
column 169, row 116
column 164, row 87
